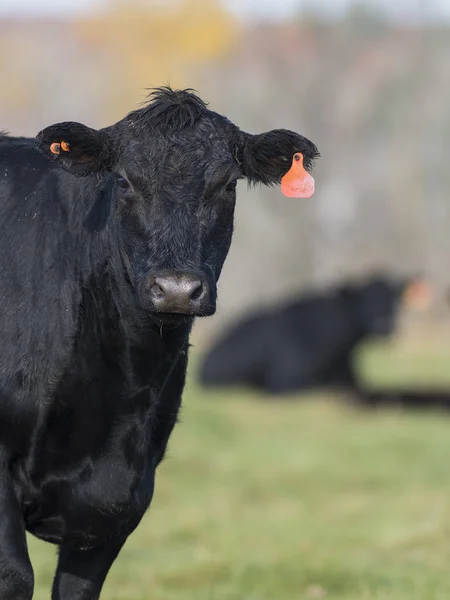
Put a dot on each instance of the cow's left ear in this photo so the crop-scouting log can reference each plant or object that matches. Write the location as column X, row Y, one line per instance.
column 267, row 157
column 77, row 148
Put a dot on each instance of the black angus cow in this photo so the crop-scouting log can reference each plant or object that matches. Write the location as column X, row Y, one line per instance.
column 306, row 343
column 104, row 263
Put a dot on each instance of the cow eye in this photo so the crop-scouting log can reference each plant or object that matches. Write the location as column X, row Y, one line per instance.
column 231, row 186
column 122, row 183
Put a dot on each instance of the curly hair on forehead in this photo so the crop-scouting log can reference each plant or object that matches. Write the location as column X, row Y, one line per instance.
column 170, row 109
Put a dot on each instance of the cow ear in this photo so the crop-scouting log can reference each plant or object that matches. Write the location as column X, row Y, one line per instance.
column 267, row 157
column 77, row 148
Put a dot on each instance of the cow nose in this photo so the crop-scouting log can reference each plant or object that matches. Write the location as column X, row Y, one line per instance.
column 184, row 293
column 181, row 290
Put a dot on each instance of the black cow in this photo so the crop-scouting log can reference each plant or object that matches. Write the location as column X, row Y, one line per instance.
column 305, row 343
column 104, row 263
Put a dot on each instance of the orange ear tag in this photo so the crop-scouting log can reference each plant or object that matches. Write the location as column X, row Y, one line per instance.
column 55, row 148
column 297, row 183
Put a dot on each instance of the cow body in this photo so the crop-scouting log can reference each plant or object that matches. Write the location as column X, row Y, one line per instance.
column 78, row 413
column 104, row 263
column 306, row 343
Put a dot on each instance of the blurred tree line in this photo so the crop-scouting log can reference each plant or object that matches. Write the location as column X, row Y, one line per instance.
column 100, row 65
column 156, row 43
column 373, row 97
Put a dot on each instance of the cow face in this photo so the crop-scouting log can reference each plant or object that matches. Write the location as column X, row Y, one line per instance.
column 380, row 299
column 175, row 165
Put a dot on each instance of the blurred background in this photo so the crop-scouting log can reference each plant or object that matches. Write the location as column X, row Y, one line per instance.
column 302, row 499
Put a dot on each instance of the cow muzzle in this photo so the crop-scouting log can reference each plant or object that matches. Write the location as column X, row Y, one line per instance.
column 178, row 292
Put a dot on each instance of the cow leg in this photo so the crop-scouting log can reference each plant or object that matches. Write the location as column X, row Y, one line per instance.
column 16, row 572
column 81, row 573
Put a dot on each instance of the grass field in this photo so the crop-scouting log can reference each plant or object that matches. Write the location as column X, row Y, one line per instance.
column 296, row 500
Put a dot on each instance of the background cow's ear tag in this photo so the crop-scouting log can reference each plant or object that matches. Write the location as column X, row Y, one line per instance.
column 297, row 183
column 418, row 295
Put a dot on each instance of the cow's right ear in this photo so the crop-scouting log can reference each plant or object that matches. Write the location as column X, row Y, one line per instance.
column 77, row 148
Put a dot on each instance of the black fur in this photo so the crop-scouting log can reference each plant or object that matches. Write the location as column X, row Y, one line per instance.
column 306, row 343
column 91, row 373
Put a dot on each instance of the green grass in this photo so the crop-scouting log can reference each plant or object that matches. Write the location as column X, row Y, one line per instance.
column 296, row 500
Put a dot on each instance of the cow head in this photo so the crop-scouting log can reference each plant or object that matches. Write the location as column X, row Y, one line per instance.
column 378, row 300
column 174, row 165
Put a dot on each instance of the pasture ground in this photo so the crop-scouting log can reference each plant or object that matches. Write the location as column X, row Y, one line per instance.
column 296, row 500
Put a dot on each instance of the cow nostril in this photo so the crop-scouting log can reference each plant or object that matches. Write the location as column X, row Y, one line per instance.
column 197, row 290
column 157, row 290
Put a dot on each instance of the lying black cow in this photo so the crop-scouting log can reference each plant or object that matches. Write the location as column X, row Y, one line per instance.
column 104, row 264
column 308, row 342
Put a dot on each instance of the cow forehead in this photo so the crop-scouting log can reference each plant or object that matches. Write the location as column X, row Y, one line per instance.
column 176, row 157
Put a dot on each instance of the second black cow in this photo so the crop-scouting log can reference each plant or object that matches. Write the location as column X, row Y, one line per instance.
column 308, row 342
